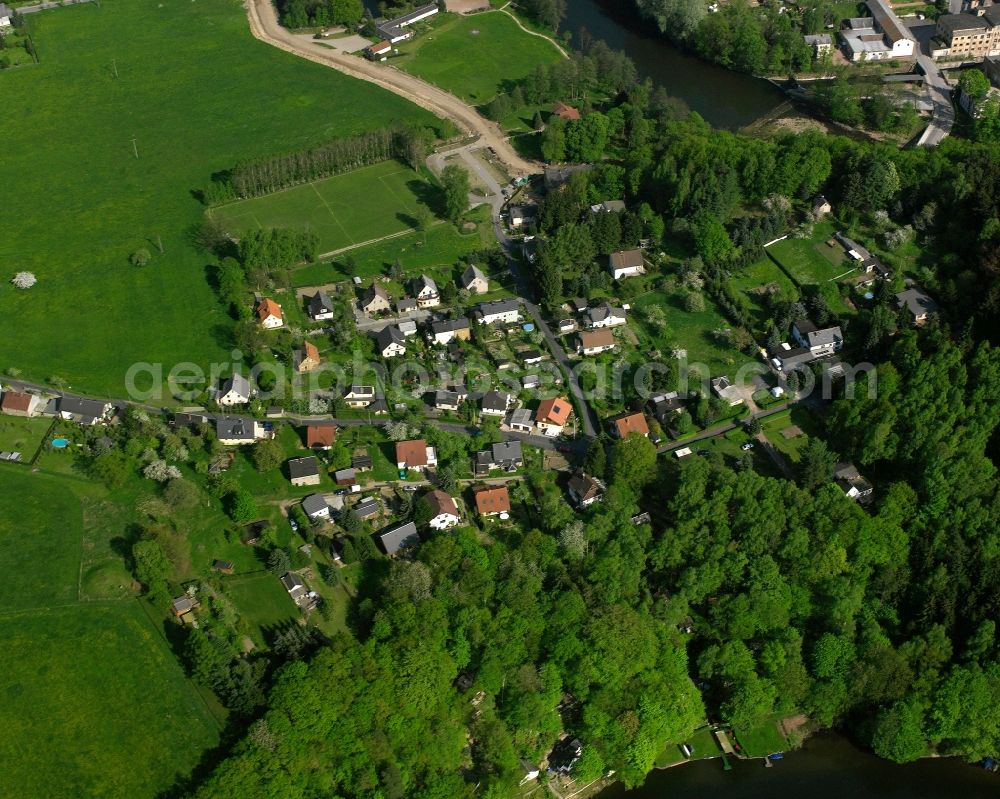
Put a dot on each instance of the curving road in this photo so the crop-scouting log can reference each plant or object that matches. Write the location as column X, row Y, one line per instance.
column 264, row 26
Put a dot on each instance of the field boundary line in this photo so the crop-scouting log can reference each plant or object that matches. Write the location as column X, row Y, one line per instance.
column 329, row 210
column 396, row 235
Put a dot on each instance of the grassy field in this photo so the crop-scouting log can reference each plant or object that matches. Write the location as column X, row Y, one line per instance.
column 763, row 739
column 262, row 599
column 22, row 435
column 793, row 417
column 812, row 262
column 90, row 686
column 475, row 56
column 343, row 210
column 84, row 202
column 763, row 273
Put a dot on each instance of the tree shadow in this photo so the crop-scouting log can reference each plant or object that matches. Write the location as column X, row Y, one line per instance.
column 428, row 194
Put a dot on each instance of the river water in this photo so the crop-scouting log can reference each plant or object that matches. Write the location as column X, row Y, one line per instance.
column 827, row 767
column 725, row 99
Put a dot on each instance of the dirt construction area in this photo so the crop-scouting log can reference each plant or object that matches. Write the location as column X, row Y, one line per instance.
column 466, row 6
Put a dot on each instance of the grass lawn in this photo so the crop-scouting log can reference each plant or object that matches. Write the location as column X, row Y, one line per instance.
column 812, row 262
column 84, row 202
column 264, row 602
column 793, row 417
column 755, row 276
column 762, row 739
column 701, row 741
column 343, row 210
column 90, row 686
column 22, row 435
column 439, row 247
column 475, row 56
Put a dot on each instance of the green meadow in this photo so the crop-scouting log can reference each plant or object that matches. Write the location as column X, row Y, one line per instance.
column 474, row 56
column 186, row 88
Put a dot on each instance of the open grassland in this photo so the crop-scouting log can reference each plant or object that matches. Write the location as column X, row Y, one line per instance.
column 813, row 262
column 22, row 435
column 343, row 210
column 194, row 93
column 755, row 281
column 474, row 57
column 95, row 704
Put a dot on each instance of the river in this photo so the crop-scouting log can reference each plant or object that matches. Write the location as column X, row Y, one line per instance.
column 725, row 99
column 827, row 767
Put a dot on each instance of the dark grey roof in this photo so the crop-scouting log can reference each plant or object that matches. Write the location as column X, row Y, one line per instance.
column 496, row 400
column 389, row 335
column 507, row 452
column 303, row 467
column 992, row 14
column 291, row 581
column 406, row 304
column 372, row 292
column 189, row 419
column 402, row 536
column 313, row 504
column 361, row 460
column 447, row 398
column 916, row 302
column 498, row 306
column 530, row 355
column 367, row 507
column 602, row 312
column 556, row 176
column 320, row 303
column 471, row 273
column 951, row 23
column 361, row 392
column 582, row 486
column 418, row 284
column 450, row 325
column 78, row 406
column 234, row 427
column 579, row 304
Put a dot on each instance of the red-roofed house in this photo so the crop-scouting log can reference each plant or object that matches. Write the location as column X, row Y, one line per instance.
column 414, row 455
column 320, row 436
column 629, row 423
column 444, row 511
column 269, row 314
column 552, row 415
column 492, row 500
column 564, row 111
column 309, row 357
column 16, row 403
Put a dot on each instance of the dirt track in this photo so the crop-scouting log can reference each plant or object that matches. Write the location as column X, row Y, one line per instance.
column 264, row 26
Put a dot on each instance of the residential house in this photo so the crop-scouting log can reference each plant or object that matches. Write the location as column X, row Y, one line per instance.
column 320, row 436
column 627, row 263
column 495, row 403
column 522, row 420
column 627, row 423
column 821, row 206
column 394, row 539
column 269, row 314
column 415, row 454
column 726, row 391
column 84, row 411
column 183, row 604
column 236, row 430
column 445, row 330
column 521, row 215
column 920, row 306
column 407, row 328
column 309, row 358
column 565, row 112
column 531, row 381
column 191, row 419
column 320, row 307
column 578, row 304
column 425, row 292
column 967, row 35
column 378, row 51
column 787, row 357
column 552, row 415
column 665, row 407
column 556, row 176
column 304, row 471
column 506, row 455
column 359, row 396
column 315, row 507
column 530, row 357
column 375, row 300
column 474, row 280
column 566, row 326
column 223, row 566
column 390, row 342
column 594, row 342
column 821, row 44
column 498, row 311
column 847, row 476
column 866, row 262
column 406, row 305
column 820, row 341
column 235, row 390
column 564, row 755
column 492, row 500
column 447, row 400
column 367, row 508
column 6, row 16
column 296, row 587
column 585, row 489
column 345, row 477
column 604, row 316
column 608, row 207
column 19, row 403
column 444, row 511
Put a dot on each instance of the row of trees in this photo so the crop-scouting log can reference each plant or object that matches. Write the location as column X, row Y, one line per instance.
column 259, row 176
column 297, row 14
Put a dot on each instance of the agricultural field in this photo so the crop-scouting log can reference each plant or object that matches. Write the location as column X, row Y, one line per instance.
column 344, row 210
column 60, row 703
column 474, row 57
column 85, row 201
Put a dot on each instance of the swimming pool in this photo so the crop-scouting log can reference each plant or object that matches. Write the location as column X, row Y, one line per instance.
column 60, row 443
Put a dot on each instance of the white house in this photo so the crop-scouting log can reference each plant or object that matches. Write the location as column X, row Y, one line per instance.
column 474, row 280
column 498, row 312
column 447, row 329
column 627, row 263
column 594, row 342
column 444, row 511
column 304, row 471
column 269, row 314
column 236, row 430
column 390, row 342
column 819, row 341
column 495, row 403
column 604, row 316
column 5, row 16
column 235, row 391
column 320, row 307
column 359, row 396
column 315, row 507
column 425, row 292
column 375, row 300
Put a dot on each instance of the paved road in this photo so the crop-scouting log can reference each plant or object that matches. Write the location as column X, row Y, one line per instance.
column 46, row 6
column 264, row 25
column 939, row 90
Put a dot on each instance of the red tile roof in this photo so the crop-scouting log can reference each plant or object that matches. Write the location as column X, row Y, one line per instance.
column 412, row 453
column 16, row 401
column 554, row 411
column 320, row 435
column 492, row 499
column 268, row 307
column 440, row 502
column 631, row 423
column 590, row 339
column 564, row 111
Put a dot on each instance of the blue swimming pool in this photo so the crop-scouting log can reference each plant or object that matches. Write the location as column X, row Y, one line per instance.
column 60, row 443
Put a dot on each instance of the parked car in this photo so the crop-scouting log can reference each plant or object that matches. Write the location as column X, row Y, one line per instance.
column 747, row 447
